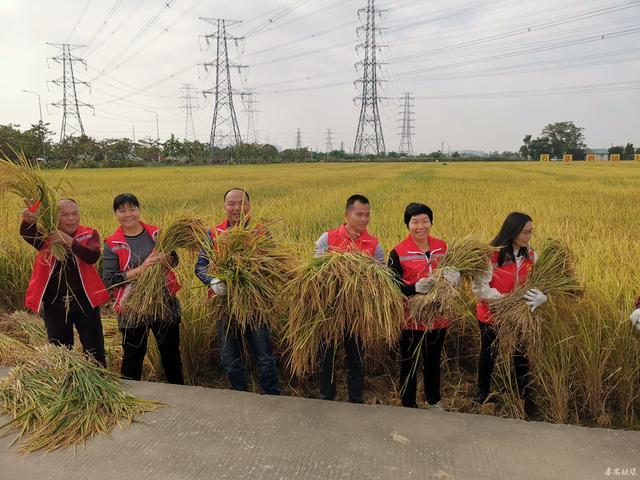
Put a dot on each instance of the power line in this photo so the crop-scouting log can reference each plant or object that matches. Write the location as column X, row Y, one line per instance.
column 249, row 107
column 406, row 125
column 187, row 88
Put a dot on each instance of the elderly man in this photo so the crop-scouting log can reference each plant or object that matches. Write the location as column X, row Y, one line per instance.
column 70, row 292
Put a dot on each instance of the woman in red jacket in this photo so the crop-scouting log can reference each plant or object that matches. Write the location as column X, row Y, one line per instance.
column 413, row 260
column 510, row 265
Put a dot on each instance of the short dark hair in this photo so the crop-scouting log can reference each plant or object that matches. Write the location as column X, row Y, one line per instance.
column 246, row 194
column 123, row 199
column 356, row 198
column 414, row 209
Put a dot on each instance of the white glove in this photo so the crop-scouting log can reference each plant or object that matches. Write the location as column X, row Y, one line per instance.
column 635, row 318
column 218, row 287
column 424, row 285
column 535, row 298
column 452, row 276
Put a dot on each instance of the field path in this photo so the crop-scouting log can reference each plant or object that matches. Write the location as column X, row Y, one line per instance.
column 220, row 434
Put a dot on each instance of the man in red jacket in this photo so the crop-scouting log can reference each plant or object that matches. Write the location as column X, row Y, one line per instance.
column 352, row 235
column 66, row 293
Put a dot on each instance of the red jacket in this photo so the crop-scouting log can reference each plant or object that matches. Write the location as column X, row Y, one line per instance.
column 415, row 265
column 505, row 279
column 43, row 268
column 340, row 241
column 117, row 242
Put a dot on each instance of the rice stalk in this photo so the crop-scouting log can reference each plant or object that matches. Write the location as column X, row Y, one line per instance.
column 58, row 398
column 471, row 258
column 554, row 275
column 148, row 301
column 340, row 294
column 24, row 179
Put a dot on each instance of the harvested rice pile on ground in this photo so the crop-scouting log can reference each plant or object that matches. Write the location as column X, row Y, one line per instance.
column 58, row 398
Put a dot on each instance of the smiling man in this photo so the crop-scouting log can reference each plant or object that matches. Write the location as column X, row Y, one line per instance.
column 66, row 293
column 352, row 235
column 237, row 207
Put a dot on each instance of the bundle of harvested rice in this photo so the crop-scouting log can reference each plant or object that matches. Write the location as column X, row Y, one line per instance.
column 467, row 255
column 24, row 326
column 24, row 180
column 255, row 266
column 554, row 275
column 58, row 398
column 147, row 300
column 12, row 350
column 337, row 294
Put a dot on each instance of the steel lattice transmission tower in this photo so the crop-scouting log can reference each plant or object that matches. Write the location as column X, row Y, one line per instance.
column 328, row 146
column 298, row 139
column 406, row 144
column 369, row 137
column 188, row 106
column 224, row 127
column 249, row 107
column 71, row 120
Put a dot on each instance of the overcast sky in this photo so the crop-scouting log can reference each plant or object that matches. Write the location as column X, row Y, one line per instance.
column 484, row 73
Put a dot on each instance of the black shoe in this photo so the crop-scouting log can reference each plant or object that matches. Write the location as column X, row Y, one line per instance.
column 480, row 397
column 530, row 408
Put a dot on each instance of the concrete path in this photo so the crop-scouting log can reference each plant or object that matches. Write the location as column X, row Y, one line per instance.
column 220, row 434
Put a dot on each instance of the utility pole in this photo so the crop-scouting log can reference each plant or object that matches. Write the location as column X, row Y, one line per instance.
column 224, row 126
column 189, row 99
column 39, row 102
column 406, row 144
column 369, row 136
column 71, row 120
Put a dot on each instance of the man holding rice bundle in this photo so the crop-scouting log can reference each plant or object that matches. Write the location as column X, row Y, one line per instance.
column 128, row 253
column 511, row 264
column 67, row 292
column 352, row 235
column 413, row 260
column 230, row 336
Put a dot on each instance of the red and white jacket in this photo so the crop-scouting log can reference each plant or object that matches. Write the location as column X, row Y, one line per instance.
column 117, row 242
column 415, row 265
column 500, row 281
column 45, row 264
column 340, row 241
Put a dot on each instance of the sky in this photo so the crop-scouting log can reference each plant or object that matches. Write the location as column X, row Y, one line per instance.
column 484, row 73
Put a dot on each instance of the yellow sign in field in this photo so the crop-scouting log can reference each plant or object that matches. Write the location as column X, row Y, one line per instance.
column 591, row 157
column 615, row 158
column 567, row 158
column 544, row 157
column 636, row 157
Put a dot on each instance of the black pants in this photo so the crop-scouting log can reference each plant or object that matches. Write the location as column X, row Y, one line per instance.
column 134, row 345
column 486, row 362
column 416, row 344
column 59, row 323
column 355, row 370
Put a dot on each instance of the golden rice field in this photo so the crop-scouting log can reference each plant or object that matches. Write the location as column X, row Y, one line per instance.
column 589, row 372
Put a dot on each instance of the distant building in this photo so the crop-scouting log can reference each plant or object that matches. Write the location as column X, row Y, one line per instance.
column 600, row 153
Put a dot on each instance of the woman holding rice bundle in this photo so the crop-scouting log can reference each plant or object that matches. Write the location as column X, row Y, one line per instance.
column 128, row 252
column 352, row 235
column 230, row 336
column 413, row 261
column 511, row 264
column 66, row 292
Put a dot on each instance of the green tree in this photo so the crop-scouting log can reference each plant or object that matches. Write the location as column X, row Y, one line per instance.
column 628, row 152
column 565, row 138
column 525, row 150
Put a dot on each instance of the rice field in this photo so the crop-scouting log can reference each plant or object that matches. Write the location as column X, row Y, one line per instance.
column 588, row 370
